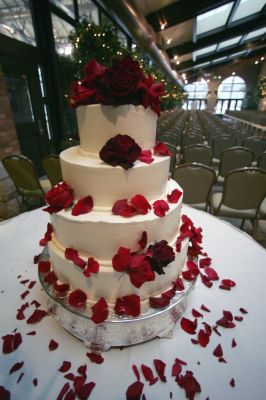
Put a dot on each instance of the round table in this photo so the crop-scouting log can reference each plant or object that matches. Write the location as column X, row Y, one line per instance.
column 235, row 255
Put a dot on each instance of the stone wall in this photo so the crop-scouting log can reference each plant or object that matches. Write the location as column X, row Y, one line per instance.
column 9, row 145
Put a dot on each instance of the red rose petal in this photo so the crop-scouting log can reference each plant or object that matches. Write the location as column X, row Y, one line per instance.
column 50, row 278
column 159, row 302
column 4, row 393
column 20, row 315
column 20, row 377
column 205, row 280
column 82, row 369
column 205, row 262
column 37, row 316
column 92, row 267
column 136, row 371
column 71, row 395
column 203, row 338
column 11, row 342
column 243, row 310
column 211, row 274
column 70, row 376
column 24, row 281
column 232, row 382
column 32, row 284
column 61, row 287
column 179, row 284
column 35, row 382
column 72, row 255
column 188, row 326
column 161, row 149
column 196, row 314
column 141, row 204
column 224, row 287
column 176, row 369
column 215, row 329
column 35, row 303
column 148, row 374
column 160, row 368
column 129, row 305
column 134, row 391
column 24, row 294
column 63, row 391
column 178, row 360
column 174, row 196
column 143, row 240
column 190, row 384
column 234, row 344
column 160, row 207
column 100, row 311
column 238, row 318
column 190, row 274
column 204, row 308
column 146, row 156
column 16, row 367
column 44, row 266
column 53, row 345
column 47, row 236
column 228, row 282
column 194, row 341
column 96, row 358
column 121, row 261
column 31, row 333
column 84, row 392
column 222, row 360
column 66, row 365
column 77, row 298
column 218, row 351
column 122, row 208
column 83, row 206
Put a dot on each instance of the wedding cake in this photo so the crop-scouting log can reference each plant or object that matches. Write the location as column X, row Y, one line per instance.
column 117, row 243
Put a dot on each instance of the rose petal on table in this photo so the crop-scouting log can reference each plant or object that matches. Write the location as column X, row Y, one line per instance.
column 96, row 358
column 160, row 368
column 15, row 368
column 134, row 391
column 37, row 316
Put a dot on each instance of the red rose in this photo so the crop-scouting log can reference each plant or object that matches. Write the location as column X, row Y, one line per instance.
column 120, row 82
column 151, row 93
column 59, row 197
column 120, row 150
column 161, row 255
column 93, row 71
column 82, row 95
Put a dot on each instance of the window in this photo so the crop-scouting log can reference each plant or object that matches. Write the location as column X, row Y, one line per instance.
column 231, row 93
column 197, row 95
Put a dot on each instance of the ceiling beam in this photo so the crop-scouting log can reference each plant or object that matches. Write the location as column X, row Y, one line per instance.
column 252, row 46
column 218, row 35
column 181, row 11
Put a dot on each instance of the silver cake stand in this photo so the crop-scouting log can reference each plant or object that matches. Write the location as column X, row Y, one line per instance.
column 116, row 331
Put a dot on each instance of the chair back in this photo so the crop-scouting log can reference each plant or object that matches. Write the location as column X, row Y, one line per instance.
column 255, row 144
column 196, row 181
column 190, row 138
column 199, row 153
column 221, row 143
column 244, row 188
column 68, row 142
column 172, row 148
column 235, row 158
column 261, row 163
column 52, row 167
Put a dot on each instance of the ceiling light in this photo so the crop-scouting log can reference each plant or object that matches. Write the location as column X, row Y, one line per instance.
column 262, row 58
column 163, row 25
column 256, row 62
column 175, row 57
column 178, row 62
column 233, row 73
column 168, row 41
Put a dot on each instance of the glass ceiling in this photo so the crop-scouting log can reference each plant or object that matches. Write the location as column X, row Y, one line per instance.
column 254, row 34
column 205, row 50
column 213, row 19
column 229, row 42
column 247, row 8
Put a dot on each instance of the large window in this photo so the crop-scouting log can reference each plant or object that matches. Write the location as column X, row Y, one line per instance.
column 197, row 95
column 231, row 93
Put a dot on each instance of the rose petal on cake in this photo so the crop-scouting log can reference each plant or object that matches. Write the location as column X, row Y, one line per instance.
column 179, row 284
column 83, row 206
column 61, row 287
column 63, row 391
column 47, row 236
column 218, row 351
column 161, row 149
column 188, row 326
column 121, row 261
column 50, row 278
column 243, row 310
column 134, row 391
column 84, row 392
column 205, row 262
column 176, row 369
column 72, row 255
column 66, row 365
column 53, row 345
column 211, row 274
column 77, row 298
column 143, row 240
column 15, row 368
column 159, row 302
column 92, row 267
column 196, row 313
column 204, row 308
column 4, row 393
column 148, row 374
column 136, row 371
column 36, row 317
column 160, row 369
column 141, row 204
column 160, row 207
column 44, row 266
column 228, row 282
column 100, row 311
column 146, row 156
column 129, row 305
column 96, row 358
column 203, row 338
column 174, row 196
column 234, row 344
column 35, row 382
column 122, row 208
column 232, row 382
column 190, row 274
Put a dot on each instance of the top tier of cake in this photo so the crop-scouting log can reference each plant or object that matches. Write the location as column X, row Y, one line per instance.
column 98, row 123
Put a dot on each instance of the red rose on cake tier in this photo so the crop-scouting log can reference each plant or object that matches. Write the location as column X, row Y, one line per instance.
column 161, row 254
column 151, row 92
column 120, row 83
column 59, row 197
column 120, row 150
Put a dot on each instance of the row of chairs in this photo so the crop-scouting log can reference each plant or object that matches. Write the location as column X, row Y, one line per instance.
column 243, row 195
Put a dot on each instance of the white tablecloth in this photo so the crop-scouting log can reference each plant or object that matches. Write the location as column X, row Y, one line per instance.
column 235, row 255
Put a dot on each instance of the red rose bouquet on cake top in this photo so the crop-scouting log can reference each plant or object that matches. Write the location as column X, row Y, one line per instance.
column 122, row 83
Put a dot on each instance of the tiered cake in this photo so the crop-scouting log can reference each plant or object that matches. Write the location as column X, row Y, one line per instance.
column 116, row 247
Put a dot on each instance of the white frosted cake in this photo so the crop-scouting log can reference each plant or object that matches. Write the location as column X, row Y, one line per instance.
column 115, row 220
